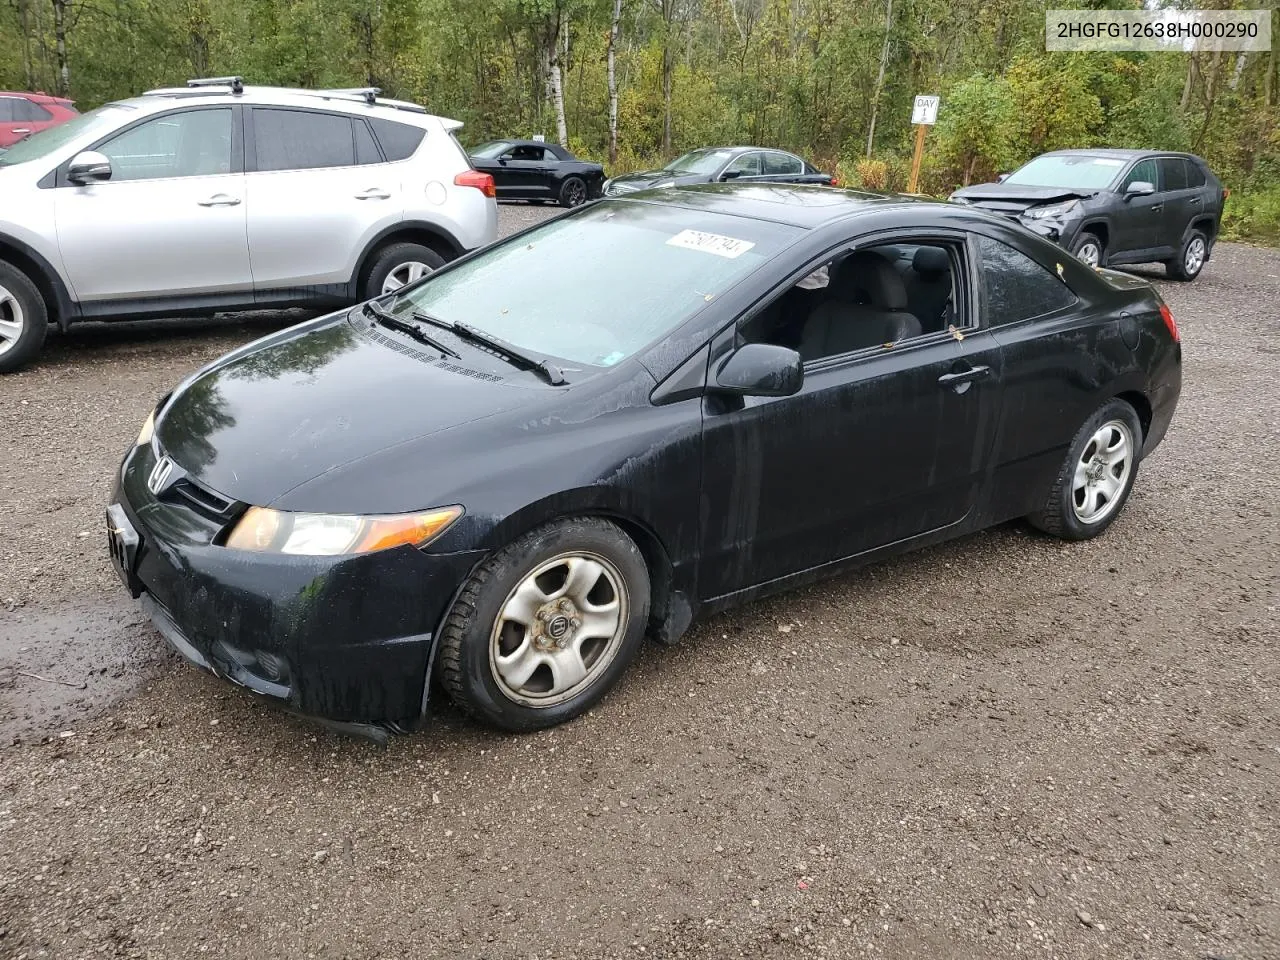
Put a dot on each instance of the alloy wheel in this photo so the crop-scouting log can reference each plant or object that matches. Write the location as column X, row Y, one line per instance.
column 1102, row 472
column 575, row 193
column 1194, row 257
column 403, row 274
column 559, row 629
column 12, row 320
column 1089, row 253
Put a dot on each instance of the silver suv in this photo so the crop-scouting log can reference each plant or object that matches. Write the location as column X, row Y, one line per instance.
column 217, row 196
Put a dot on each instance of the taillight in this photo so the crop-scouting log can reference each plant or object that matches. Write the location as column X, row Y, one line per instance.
column 1167, row 316
column 1225, row 193
column 835, row 182
column 474, row 178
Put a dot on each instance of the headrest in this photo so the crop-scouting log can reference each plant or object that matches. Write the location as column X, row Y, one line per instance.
column 867, row 277
column 931, row 260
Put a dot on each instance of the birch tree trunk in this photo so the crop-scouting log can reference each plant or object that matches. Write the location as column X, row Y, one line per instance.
column 613, row 82
column 60, row 46
column 555, row 85
column 884, row 63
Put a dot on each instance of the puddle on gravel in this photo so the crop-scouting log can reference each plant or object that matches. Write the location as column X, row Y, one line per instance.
column 86, row 656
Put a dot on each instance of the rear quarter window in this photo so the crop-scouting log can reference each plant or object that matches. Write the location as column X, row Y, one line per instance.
column 1017, row 287
column 399, row 140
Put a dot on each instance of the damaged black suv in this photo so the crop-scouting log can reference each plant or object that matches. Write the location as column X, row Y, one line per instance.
column 1111, row 207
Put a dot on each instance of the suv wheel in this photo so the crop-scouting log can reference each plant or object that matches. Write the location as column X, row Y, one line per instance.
column 1191, row 258
column 399, row 264
column 1088, row 249
column 24, row 319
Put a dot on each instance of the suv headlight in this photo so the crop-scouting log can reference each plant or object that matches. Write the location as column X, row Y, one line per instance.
column 264, row 530
column 1051, row 210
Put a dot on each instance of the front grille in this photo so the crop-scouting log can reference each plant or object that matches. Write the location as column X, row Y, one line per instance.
column 203, row 499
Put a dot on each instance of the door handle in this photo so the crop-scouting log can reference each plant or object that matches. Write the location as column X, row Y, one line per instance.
column 960, row 380
column 1156, row 208
column 21, row 129
column 1194, row 200
column 374, row 193
column 219, row 200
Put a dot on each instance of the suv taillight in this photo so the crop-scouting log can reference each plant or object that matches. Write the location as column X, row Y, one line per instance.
column 474, row 178
column 1167, row 315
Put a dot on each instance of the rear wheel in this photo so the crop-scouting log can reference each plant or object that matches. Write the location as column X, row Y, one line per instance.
column 24, row 319
column 546, row 626
column 573, row 192
column 399, row 264
column 1097, row 476
column 1088, row 248
column 1191, row 258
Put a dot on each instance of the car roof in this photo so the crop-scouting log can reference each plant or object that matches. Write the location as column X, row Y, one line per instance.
column 37, row 97
column 1118, row 154
column 799, row 205
column 358, row 100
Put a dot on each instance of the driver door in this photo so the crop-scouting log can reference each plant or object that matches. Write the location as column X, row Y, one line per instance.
column 170, row 221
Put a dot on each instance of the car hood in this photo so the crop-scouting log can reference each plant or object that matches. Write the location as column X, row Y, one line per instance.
column 647, row 178
column 1003, row 194
column 269, row 417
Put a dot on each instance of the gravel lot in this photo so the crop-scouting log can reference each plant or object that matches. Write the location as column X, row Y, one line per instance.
column 1003, row 746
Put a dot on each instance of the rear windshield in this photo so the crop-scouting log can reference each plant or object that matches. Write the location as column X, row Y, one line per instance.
column 1082, row 171
column 596, row 287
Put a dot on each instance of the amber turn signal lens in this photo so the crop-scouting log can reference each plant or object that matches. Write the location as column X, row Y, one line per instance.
column 414, row 529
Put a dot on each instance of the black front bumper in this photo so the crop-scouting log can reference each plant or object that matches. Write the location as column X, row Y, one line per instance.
column 346, row 639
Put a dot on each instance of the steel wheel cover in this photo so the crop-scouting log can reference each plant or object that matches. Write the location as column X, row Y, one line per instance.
column 559, row 629
column 1194, row 259
column 1102, row 472
column 12, row 320
column 403, row 274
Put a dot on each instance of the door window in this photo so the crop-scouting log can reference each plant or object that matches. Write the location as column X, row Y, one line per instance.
column 747, row 165
column 783, row 164
column 875, row 296
column 526, row 152
column 1195, row 176
column 7, row 109
column 302, row 140
column 196, row 143
column 1143, row 170
column 1017, row 287
column 399, row 140
column 1173, row 173
column 29, row 111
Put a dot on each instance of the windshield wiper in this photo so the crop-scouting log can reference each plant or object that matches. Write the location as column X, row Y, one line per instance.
column 388, row 319
column 507, row 351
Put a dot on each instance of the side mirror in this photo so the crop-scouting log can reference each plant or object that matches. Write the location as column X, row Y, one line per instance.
column 1001, row 178
column 89, row 167
column 731, row 175
column 761, row 370
column 1139, row 188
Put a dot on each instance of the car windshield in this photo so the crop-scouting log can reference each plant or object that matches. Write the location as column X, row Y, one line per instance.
column 596, row 287
column 698, row 161
column 491, row 150
column 40, row 145
column 1070, row 170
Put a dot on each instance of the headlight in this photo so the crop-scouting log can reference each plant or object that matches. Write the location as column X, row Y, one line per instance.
column 326, row 535
column 1052, row 210
column 148, row 428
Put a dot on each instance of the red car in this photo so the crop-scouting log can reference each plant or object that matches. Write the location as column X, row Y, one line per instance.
column 24, row 113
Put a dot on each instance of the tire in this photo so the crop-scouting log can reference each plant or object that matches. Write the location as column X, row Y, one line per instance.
column 1096, row 477
column 409, row 260
column 1191, row 258
column 1089, row 248
column 573, row 192
column 24, row 319
column 515, row 601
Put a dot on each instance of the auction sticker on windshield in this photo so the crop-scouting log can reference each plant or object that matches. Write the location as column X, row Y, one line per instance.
column 710, row 243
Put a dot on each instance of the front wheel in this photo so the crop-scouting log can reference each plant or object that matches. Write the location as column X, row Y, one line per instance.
column 573, row 192
column 546, row 626
column 1088, row 249
column 1097, row 476
column 1191, row 258
column 24, row 319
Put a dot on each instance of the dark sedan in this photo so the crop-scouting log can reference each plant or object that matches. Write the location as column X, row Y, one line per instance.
column 539, row 172
column 507, row 475
column 1110, row 207
column 719, row 165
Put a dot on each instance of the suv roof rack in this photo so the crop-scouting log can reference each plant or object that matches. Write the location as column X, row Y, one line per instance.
column 235, row 83
column 368, row 94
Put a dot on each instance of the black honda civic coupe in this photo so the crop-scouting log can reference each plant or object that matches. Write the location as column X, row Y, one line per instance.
column 506, row 476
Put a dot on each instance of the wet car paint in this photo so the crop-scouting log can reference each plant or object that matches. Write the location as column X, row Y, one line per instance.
column 727, row 497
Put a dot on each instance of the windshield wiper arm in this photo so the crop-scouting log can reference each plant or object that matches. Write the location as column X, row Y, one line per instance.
column 507, row 351
column 388, row 319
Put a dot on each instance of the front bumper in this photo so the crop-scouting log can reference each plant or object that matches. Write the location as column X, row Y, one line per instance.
column 346, row 639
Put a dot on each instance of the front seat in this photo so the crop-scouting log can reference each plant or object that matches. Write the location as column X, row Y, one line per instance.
column 930, row 290
column 866, row 307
